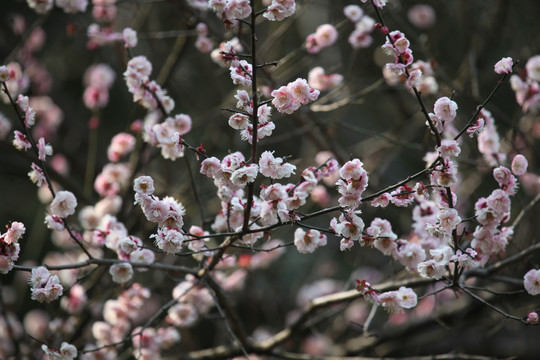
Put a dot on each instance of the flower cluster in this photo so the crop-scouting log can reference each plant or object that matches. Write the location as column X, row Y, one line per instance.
column 146, row 92
column 230, row 10
column 527, row 86
column 321, row 81
column 98, row 79
column 363, row 26
column 167, row 135
column 44, row 286
column 287, row 99
column 392, row 301
column 325, row 36
column 308, row 241
column 66, row 352
column 353, row 182
column 9, row 246
column 280, row 9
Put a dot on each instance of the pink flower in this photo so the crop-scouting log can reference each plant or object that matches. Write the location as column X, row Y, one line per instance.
column 353, row 12
column 422, row 16
column 325, row 35
column 129, row 36
column 144, row 185
column 121, row 272
column 64, row 204
column 307, row 242
column 283, row 100
column 317, row 79
column 519, row 165
column 445, row 109
column 241, row 72
column 532, row 317
column 533, row 68
column 14, row 233
column 121, row 145
column 4, row 73
column 280, row 9
column 238, row 121
column 382, row 200
column 531, row 282
column 448, row 219
column 66, row 352
column 45, row 287
column 245, row 174
column 274, row 167
column 504, row 66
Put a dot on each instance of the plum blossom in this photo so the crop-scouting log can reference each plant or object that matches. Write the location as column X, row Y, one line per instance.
column 532, row 317
column 398, row 300
column 307, row 242
column 287, row 99
column 519, row 165
column 533, row 68
column 531, row 282
column 44, row 286
column 325, row 36
column 241, row 72
column 66, row 352
column 321, row 81
column 422, row 16
column 445, row 109
column 353, row 12
column 121, row 145
column 504, row 66
column 121, row 272
column 64, row 204
column 273, row 167
column 280, row 9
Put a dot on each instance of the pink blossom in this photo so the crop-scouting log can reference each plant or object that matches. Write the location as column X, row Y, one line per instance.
column 4, row 73
column 431, row 269
column 121, row 145
column 245, row 174
column 76, row 300
column 14, row 233
column 182, row 315
column 64, row 204
column 410, row 255
column 121, row 272
column 45, row 287
column 307, row 242
column 445, row 109
column 325, row 35
column 533, row 68
column 280, row 9
column 204, row 44
column 422, row 16
column 66, row 352
column 353, row 12
column 274, row 167
column 519, row 165
column 20, row 141
column 241, row 72
column 448, row 219
column 144, row 185
column 239, row 121
column 531, row 282
column 169, row 240
column 532, row 317
column 283, row 100
column 129, row 36
column 317, row 79
column 504, row 66
column 210, row 167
